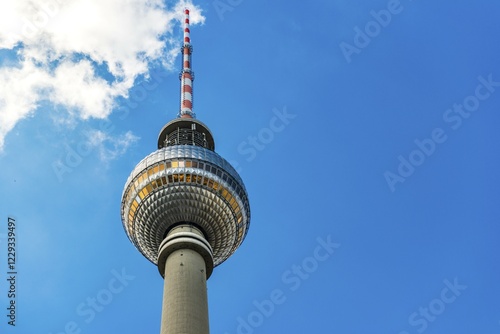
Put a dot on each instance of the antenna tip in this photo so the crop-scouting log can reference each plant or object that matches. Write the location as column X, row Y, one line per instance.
column 186, row 11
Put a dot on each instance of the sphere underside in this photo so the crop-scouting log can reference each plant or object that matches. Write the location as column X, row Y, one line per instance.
column 185, row 183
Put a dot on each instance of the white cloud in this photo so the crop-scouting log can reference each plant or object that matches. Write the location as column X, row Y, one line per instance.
column 109, row 147
column 59, row 44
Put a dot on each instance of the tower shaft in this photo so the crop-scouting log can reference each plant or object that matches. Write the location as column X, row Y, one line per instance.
column 185, row 305
column 187, row 260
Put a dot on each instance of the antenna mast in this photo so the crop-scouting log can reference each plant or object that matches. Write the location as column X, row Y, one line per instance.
column 186, row 76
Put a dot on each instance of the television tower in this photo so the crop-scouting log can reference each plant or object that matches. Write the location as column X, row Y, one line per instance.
column 186, row 209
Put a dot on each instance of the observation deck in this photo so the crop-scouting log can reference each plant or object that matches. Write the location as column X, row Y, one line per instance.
column 185, row 182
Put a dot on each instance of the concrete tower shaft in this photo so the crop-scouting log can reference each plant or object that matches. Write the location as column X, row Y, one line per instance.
column 186, row 261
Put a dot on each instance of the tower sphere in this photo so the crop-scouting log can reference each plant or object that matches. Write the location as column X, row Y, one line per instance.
column 184, row 181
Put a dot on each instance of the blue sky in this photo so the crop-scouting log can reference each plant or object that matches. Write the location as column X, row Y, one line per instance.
column 366, row 134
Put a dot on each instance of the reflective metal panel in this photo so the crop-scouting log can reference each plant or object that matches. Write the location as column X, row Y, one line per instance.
column 185, row 183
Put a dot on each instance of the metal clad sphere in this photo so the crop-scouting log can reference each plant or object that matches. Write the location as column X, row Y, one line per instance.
column 185, row 183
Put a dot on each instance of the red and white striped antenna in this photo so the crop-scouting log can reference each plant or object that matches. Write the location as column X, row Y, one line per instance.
column 186, row 76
